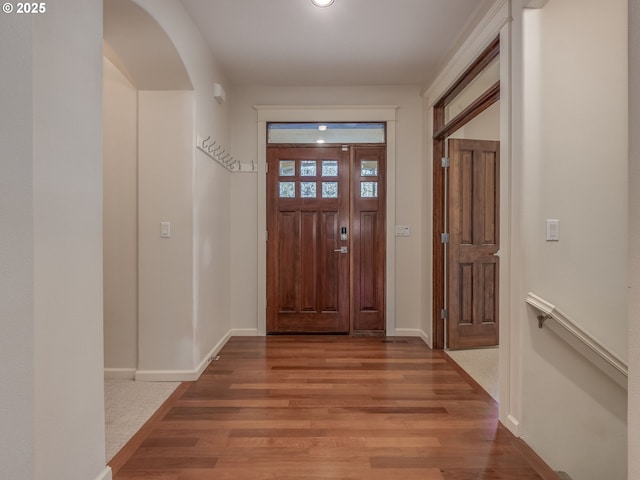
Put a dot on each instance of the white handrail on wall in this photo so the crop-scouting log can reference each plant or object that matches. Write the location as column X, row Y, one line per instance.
column 581, row 340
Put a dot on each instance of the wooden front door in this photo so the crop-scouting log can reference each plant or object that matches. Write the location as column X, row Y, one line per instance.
column 472, row 263
column 325, row 239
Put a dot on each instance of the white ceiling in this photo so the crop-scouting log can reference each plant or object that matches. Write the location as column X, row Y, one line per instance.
column 352, row 42
column 140, row 49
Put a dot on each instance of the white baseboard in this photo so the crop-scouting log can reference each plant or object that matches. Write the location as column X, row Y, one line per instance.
column 244, row 332
column 105, row 475
column 183, row 375
column 120, row 373
column 413, row 332
column 513, row 425
column 166, row 375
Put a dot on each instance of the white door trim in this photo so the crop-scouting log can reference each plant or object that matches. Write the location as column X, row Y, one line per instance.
column 326, row 113
column 499, row 21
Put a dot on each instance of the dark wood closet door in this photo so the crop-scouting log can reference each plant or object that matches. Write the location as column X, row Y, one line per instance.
column 473, row 266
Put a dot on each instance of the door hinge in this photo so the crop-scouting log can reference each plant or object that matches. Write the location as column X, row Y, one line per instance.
column 444, row 314
column 266, row 168
column 266, row 235
column 445, row 162
column 444, row 238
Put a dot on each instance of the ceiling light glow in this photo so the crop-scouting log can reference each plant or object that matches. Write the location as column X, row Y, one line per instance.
column 322, row 128
column 319, row 141
column 322, row 3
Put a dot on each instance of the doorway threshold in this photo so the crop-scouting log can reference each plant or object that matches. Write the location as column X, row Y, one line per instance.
column 481, row 364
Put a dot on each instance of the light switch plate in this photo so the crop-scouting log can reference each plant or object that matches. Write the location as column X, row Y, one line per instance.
column 165, row 229
column 553, row 230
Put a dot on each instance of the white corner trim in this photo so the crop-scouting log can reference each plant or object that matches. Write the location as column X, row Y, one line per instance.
column 425, row 338
column 105, row 475
column 120, row 373
column 183, row 375
column 488, row 29
column 513, row 425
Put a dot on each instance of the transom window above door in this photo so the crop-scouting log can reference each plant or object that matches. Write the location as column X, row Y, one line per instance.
column 319, row 133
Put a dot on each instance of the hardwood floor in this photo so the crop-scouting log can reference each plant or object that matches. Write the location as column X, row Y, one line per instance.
column 327, row 407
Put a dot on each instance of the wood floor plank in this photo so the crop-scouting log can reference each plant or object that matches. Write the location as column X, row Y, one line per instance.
column 331, row 408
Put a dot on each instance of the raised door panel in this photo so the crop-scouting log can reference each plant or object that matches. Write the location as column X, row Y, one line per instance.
column 329, row 293
column 285, row 285
column 307, row 278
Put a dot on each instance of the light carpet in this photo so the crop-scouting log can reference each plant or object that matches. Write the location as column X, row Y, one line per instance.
column 128, row 405
column 482, row 365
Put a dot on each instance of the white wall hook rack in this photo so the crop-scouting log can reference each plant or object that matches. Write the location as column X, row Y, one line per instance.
column 217, row 152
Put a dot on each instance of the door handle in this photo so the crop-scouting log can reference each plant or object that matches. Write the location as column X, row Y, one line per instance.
column 341, row 250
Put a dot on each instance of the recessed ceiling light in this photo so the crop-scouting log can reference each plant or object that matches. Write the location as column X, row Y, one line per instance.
column 322, row 128
column 322, row 3
column 319, row 141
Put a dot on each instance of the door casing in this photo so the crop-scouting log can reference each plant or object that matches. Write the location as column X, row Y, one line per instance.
column 441, row 130
column 326, row 113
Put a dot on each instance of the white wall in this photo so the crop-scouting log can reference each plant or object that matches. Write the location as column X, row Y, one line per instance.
column 16, row 248
column 574, row 168
column 579, row 173
column 51, row 344
column 634, row 241
column 210, row 190
column 51, row 185
column 120, row 168
column 183, row 280
column 408, row 252
column 165, row 194
column 212, row 255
